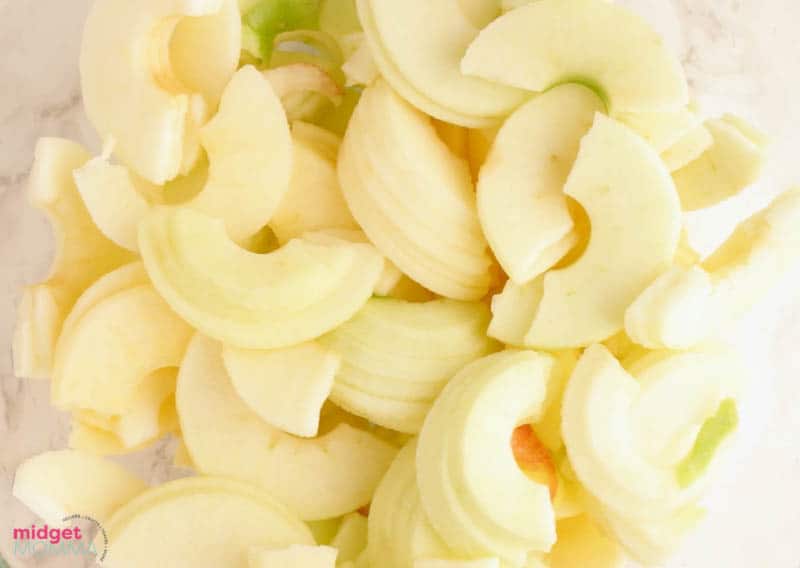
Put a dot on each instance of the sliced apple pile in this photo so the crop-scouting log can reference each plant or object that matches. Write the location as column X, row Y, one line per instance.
column 322, row 232
column 687, row 306
column 296, row 293
column 471, row 486
column 152, row 73
column 632, row 436
column 397, row 356
column 313, row 477
column 619, row 180
column 412, row 196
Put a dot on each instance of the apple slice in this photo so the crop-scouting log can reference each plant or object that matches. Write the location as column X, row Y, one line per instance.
column 521, row 203
column 686, row 306
column 439, row 563
column 418, row 44
column 83, row 254
column 150, row 81
column 733, row 162
column 249, row 153
column 635, row 219
column 686, row 150
column 412, row 196
column 581, row 543
column 144, row 422
column 479, row 143
column 621, row 428
column 67, row 482
column 397, row 356
column 314, row 200
column 313, row 477
column 351, row 538
column 399, row 529
column 286, row 387
column 91, row 439
column 294, row 294
column 662, row 129
column 593, row 42
column 161, row 526
column 471, row 486
column 296, row 556
column 103, row 360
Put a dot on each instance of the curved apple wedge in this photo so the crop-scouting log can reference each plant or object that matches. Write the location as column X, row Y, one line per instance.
column 253, row 301
column 635, row 219
column 594, row 42
column 68, row 482
column 286, row 387
column 399, row 530
column 150, row 78
column 473, row 490
column 105, row 356
column 630, row 434
column 418, row 44
column 521, row 203
column 180, row 510
column 686, row 306
column 397, row 356
column 314, row 478
column 732, row 163
column 83, row 254
column 249, row 150
column 412, row 196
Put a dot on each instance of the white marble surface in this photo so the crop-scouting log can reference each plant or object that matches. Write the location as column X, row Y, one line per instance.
column 741, row 55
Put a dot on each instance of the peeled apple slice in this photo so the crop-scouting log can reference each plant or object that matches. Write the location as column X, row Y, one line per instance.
column 286, row 387
column 686, row 150
column 635, row 219
column 399, row 529
column 471, row 486
column 521, row 203
column 97, row 441
column 152, row 73
column 733, row 162
column 412, row 196
column 686, row 306
column 67, row 482
column 82, row 255
column 662, row 129
column 250, row 156
column 581, row 544
column 289, row 296
column 351, row 538
column 315, row 478
column 418, row 45
column 593, row 42
column 314, row 200
column 142, row 422
column 626, row 433
column 161, row 526
column 296, row 556
column 397, row 356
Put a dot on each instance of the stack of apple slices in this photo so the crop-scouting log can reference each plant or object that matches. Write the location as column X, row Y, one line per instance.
column 407, row 281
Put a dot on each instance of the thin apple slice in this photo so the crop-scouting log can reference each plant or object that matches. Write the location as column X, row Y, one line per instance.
column 582, row 543
column 635, row 219
column 521, row 203
column 620, row 428
column 83, row 254
column 296, row 556
column 180, row 510
column 143, row 422
column 294, row 294
column 412, row 196
column 397, row 356
column 351, row 537
column 733, row 162
column 88, row 438
column 662, row 129
column 67, row 482
column 399, row 529
column 314, row 478
column 286, row 387
column 314, row 200
column 150, row 81
column 686, row 306
column 418, row 44
column 120, row 340
column 594, row 42
column 688, row 149
column 471, row 486
column 249, row 153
